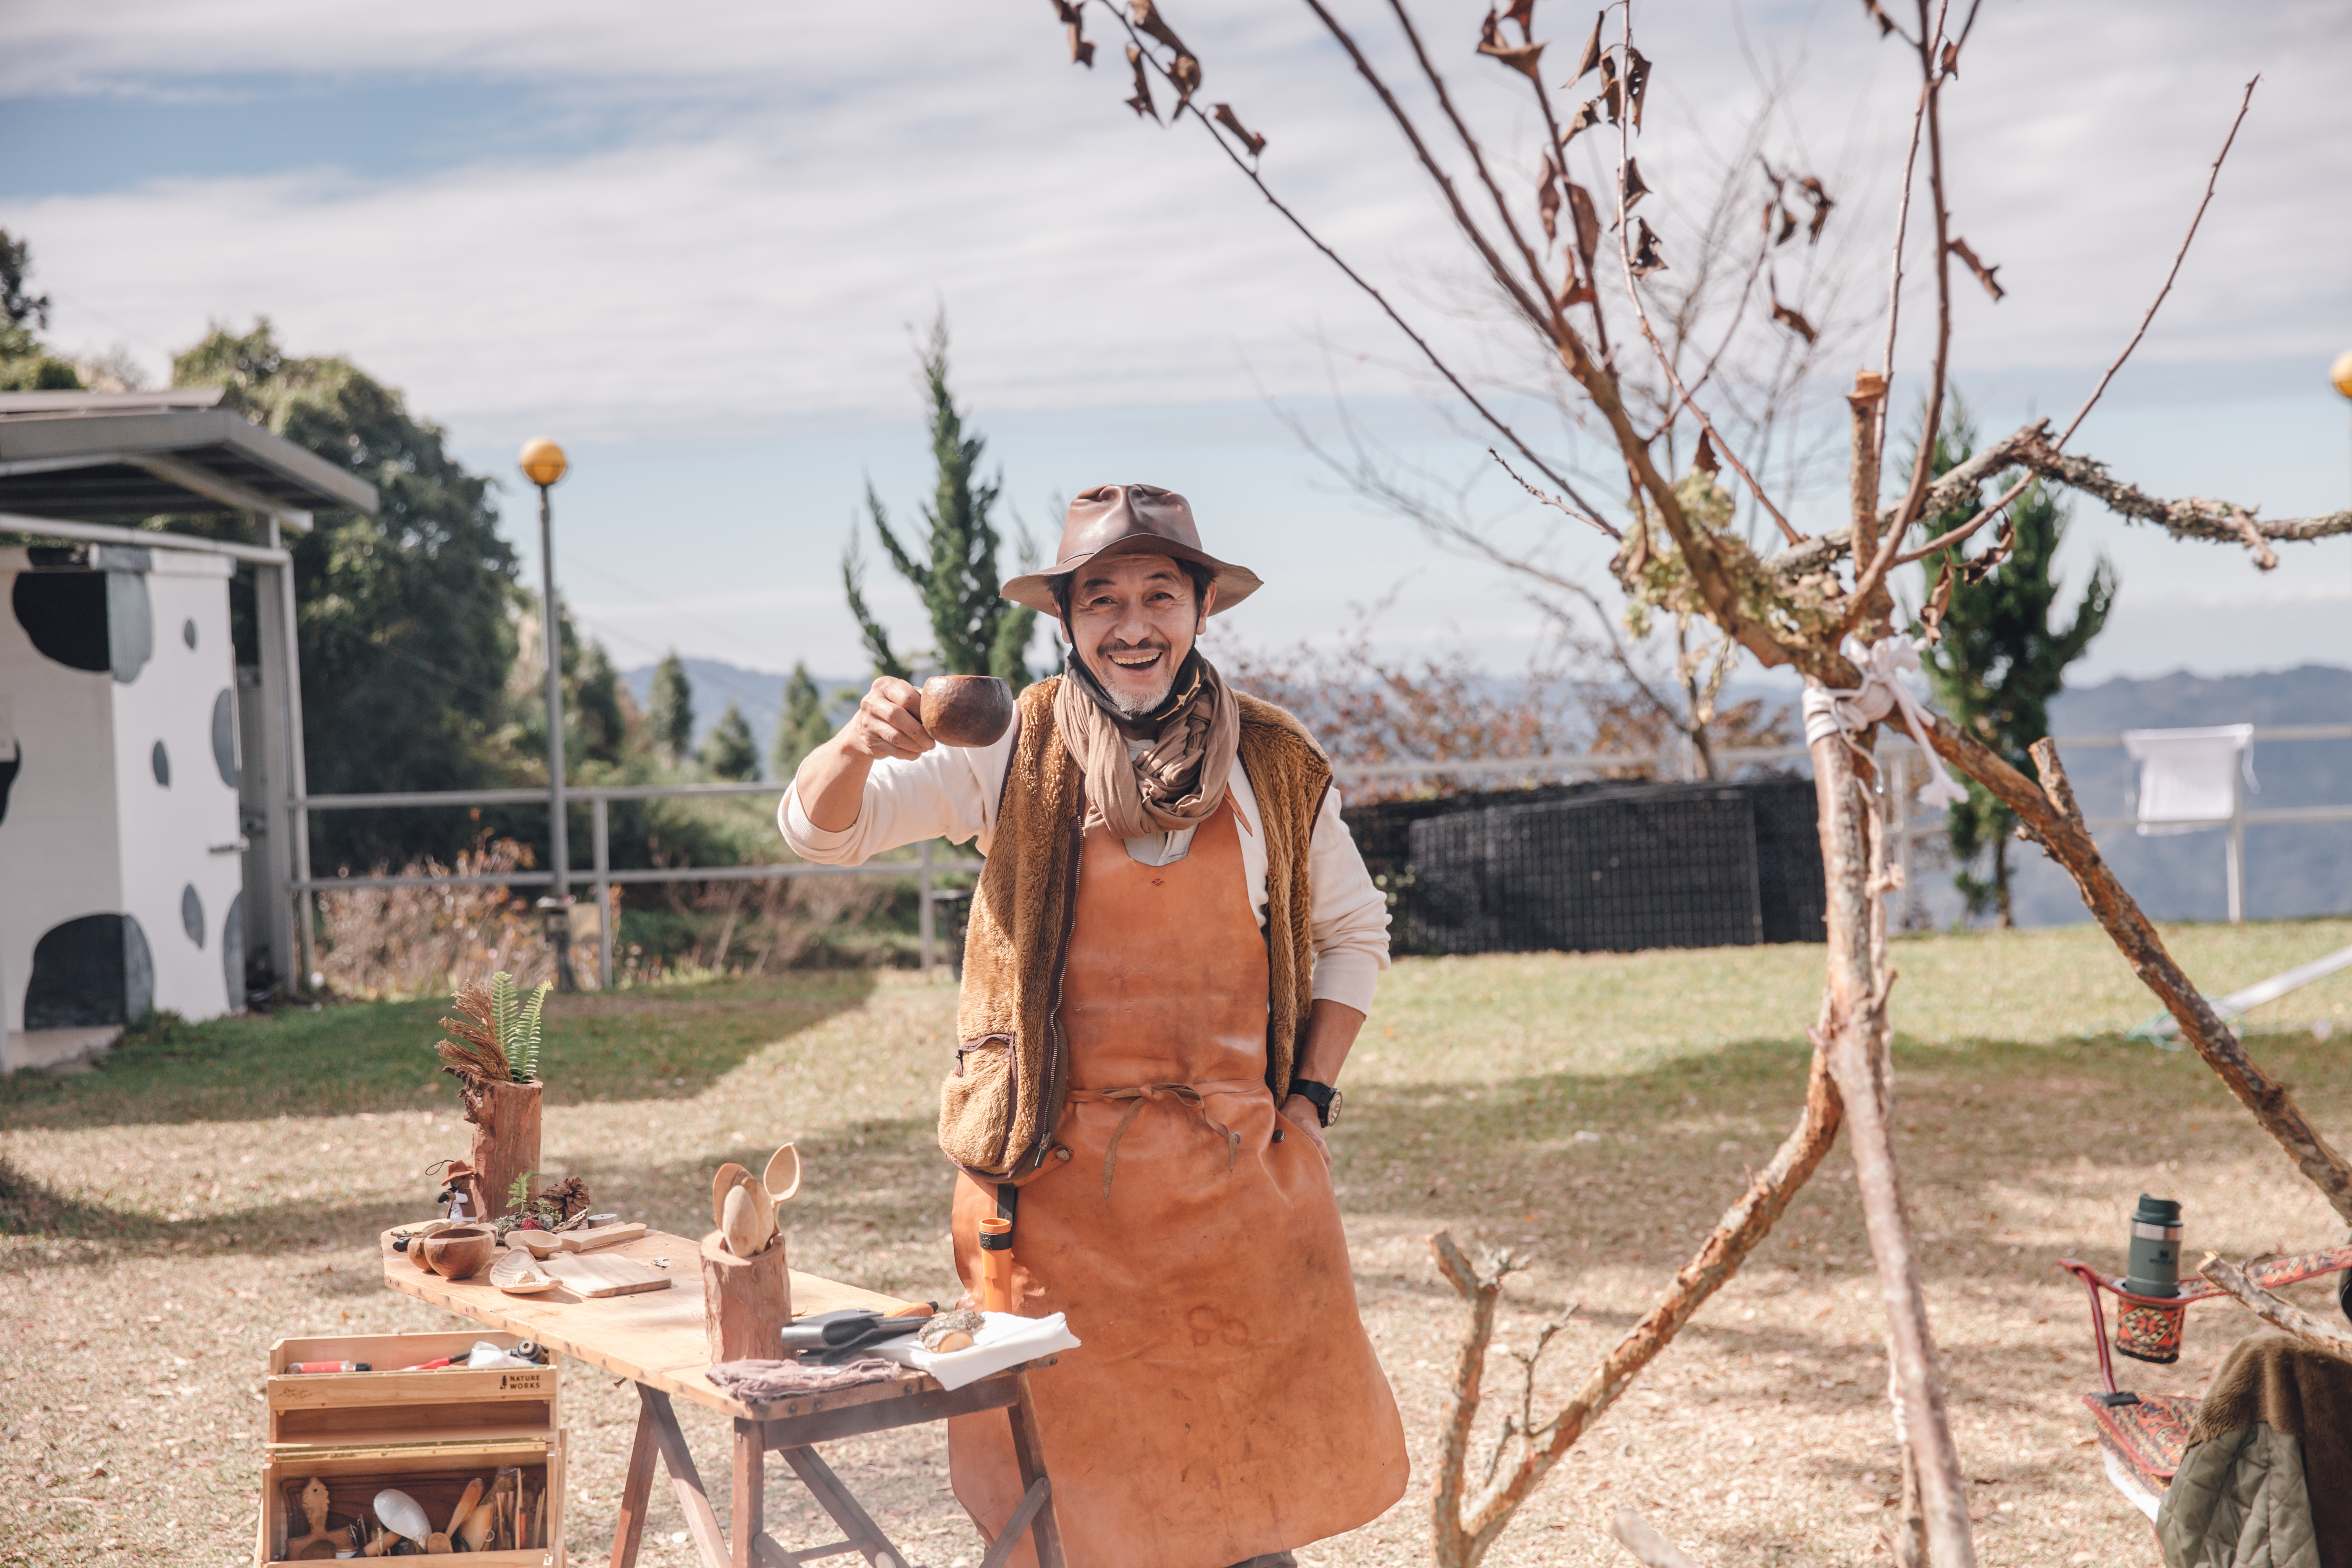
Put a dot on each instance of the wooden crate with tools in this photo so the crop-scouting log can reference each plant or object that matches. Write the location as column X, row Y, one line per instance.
column 337, row 1439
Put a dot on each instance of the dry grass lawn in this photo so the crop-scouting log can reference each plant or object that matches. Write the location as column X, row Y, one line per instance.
column 209, row 1190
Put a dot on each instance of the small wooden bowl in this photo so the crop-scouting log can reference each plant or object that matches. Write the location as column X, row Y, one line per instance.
column 459, row 1252
column 967, row 710
column 416, row 1249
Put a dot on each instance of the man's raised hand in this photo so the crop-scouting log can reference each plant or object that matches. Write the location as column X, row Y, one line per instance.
column 888, row 722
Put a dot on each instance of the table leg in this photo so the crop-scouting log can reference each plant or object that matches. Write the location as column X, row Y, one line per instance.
column 684, row 1479
column 1027, row 1453
column 834, row 1498
column 751, row 1478
column 636, row 1489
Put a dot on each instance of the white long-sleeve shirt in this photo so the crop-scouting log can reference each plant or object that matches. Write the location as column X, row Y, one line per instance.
column 952, row 793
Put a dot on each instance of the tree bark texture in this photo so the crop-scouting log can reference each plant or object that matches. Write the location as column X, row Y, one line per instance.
column 1469, row 1527
column 1855, row 1037
column 2057, row 824
column 505, row 1139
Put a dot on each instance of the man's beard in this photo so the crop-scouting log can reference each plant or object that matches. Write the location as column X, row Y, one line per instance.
column 1137, row 708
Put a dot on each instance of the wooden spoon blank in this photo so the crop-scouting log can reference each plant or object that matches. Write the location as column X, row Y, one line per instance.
column 739, row 1222
column 784, row 1177
column 730, row 1175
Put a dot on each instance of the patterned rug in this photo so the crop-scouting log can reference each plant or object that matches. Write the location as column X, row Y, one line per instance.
column 2144, row 1440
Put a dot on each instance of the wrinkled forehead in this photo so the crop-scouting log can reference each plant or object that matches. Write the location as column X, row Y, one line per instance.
column 1136, row 571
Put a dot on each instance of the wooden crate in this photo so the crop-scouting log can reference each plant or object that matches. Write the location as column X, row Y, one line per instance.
column 426, row 1433
column 388, row 1405
column 434, row 1473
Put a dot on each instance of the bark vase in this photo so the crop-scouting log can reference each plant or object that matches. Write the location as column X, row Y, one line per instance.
column 505, row 1139
column 746, row 1302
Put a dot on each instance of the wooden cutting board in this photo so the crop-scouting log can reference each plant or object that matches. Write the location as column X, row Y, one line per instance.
column 549, row 1243
column 591, row 1276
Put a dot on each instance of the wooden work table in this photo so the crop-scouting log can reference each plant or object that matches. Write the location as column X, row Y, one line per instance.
column 656, row 1339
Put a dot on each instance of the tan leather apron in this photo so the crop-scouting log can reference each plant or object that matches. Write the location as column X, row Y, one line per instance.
column 1228, row 1401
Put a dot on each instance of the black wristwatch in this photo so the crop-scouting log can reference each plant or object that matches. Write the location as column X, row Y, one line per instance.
column 1322, row 1096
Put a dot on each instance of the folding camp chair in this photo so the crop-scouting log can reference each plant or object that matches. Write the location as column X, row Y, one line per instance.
column 2141, row 1436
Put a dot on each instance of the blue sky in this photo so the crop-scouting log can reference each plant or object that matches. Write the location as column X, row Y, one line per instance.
column 691, row 243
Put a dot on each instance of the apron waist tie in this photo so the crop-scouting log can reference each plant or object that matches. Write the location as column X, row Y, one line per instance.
column 1139, row 1094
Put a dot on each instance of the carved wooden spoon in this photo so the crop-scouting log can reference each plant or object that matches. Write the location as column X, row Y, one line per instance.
column 731, row 1176
column 784, row 1176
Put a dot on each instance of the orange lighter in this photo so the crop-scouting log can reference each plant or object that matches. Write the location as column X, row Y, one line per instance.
column 996, row 1265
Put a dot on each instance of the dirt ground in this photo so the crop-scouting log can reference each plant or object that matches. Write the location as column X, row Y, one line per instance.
column 1594, row 1113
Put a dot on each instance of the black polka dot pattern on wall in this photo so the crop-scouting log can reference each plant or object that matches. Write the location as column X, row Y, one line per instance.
column 191, row 914
column 161, row 759
column 188, row 631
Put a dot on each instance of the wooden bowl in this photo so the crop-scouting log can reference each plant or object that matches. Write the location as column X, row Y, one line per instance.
column 459, row 1252
column 415, row 1250
column 967, row 710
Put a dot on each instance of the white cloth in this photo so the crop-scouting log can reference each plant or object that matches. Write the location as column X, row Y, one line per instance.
column 952, row 793
column 1004, row 1341
column 2188, row 778
column 1829, row 709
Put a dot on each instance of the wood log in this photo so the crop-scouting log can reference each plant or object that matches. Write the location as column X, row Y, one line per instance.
column 746, row 1302
column 505, row 1139
column 2276, row 1310
column 1856, row 1035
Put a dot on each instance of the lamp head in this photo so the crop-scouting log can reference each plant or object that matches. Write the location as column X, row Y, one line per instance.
column 2341, row 373
column 543, row 461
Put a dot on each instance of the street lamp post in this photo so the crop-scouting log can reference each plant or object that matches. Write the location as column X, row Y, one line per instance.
column 543, row 463
column 2341, row 373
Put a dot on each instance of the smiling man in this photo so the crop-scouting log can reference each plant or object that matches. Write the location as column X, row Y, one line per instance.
column 1169, row 954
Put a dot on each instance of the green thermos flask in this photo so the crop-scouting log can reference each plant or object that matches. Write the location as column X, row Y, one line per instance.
column 2154, row 1269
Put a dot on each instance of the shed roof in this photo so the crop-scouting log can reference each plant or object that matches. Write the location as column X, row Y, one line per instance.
column 122, row 455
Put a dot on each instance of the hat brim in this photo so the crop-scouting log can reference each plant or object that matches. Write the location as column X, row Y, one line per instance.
column 1234, row 583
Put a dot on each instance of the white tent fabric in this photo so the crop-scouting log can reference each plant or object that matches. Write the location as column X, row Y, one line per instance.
column 2187, row 778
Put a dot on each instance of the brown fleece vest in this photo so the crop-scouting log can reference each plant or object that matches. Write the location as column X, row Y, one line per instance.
column 1004, row 1098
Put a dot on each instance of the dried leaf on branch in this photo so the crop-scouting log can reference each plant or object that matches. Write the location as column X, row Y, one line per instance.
column 1647, row 258
column 1637, row 82
column 1521, row 58
column 1630, row 188
column 1819, row 197
column 1582, row 207
column 1548, row 198
column 1185, row 71
column 1959, row 247
column 1589, row 59
column 1794, row 320
column 1586, row 117
column 1074, row 23
column 1142, row 102
column 1226, row 117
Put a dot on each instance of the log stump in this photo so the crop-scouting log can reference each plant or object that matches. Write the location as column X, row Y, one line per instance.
column 746, row 1302
column 506, row 1140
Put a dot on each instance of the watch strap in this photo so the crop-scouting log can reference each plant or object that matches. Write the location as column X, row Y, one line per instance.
column 1318, row 1095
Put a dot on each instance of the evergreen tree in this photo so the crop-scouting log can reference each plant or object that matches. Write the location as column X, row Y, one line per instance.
column 728, row 751
column 669, row 710
column 603, row 723
column 25, row 362
column 805, row 725
column 2000, row 660
column 974, row 630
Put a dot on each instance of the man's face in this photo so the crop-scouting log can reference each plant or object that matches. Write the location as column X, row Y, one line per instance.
column 1133, row 619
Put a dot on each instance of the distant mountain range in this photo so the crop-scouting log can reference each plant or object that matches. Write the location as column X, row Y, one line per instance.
column 2290, row 870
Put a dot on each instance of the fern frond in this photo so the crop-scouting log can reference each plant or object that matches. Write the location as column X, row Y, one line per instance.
column 502, row 1008
column 527, row 1033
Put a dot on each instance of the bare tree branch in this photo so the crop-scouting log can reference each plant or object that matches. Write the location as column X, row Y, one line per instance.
column 2212, row 178
column 1634, row 1534
column 2276, row 1310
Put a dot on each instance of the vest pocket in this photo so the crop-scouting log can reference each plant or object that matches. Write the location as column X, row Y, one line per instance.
column 977, row 1101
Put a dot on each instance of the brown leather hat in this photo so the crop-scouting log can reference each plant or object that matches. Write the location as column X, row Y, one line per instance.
column 1130, row 520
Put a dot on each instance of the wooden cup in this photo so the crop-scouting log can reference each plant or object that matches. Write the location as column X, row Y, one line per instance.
column 746, row 1302
column 967, row 710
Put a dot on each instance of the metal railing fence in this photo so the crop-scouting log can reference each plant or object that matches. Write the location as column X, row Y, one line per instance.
column 927, row 866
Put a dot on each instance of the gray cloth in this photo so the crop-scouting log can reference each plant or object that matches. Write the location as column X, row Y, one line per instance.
column 764, row 1381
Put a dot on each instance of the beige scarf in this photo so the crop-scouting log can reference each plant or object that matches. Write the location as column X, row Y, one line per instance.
column 1175, row 784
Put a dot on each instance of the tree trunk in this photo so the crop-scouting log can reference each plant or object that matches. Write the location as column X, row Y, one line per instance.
column 1856, row 1039
column 2000, row 879
column 746, row 1302
column 505, row 1139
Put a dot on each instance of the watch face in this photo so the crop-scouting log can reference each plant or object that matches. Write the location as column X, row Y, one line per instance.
column 1332, row 1111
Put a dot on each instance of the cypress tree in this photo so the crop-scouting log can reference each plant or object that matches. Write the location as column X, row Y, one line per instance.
column 974, row 631
column 728, row 751
column 2000, row 660
column 669, row 710
column 805, row 726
